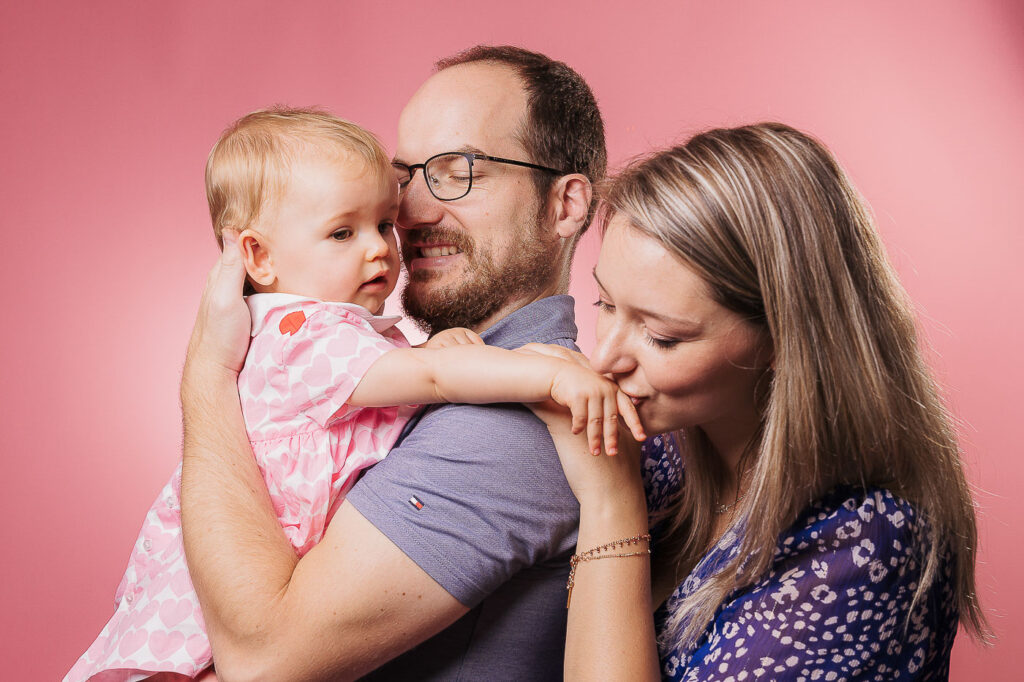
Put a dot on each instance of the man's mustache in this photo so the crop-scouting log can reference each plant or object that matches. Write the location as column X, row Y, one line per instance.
column 434, row 235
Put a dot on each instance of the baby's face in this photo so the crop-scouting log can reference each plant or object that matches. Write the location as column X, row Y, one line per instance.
column 332, row 235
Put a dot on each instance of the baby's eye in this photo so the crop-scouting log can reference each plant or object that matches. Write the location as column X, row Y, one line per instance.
column 385, row 226
column 342, row 234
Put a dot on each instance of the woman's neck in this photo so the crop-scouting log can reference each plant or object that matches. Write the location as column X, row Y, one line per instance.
column 731, row 440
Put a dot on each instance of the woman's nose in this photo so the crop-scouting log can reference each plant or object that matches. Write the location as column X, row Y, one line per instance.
column 612, row 354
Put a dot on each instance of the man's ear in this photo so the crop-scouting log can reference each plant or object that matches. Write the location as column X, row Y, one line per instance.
column 570, row 200
column 258, row 262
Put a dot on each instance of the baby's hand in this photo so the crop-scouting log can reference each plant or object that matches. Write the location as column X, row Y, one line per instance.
column 595, row 401
column 457, row 336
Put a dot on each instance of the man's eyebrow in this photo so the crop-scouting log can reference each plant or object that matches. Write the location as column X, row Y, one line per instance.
column 650, row 313
column 464, row 149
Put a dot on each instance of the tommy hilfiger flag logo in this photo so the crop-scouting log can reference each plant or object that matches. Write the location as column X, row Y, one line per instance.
column 415, row 501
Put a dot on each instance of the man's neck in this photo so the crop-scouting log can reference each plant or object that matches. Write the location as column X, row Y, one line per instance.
column 518, row 303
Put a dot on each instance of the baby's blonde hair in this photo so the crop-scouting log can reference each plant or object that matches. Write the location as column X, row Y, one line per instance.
column 249, row 165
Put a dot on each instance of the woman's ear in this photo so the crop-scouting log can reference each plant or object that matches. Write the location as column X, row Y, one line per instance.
column 571, row 203
column 258, row 262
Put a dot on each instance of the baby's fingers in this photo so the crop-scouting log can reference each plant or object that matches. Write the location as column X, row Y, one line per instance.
column 595, row 423
column 629, row 416
column 470, row 338
column 611, row 426
column 578, row 407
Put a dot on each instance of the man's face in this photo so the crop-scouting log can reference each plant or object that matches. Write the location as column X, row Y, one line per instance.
column 471, row 261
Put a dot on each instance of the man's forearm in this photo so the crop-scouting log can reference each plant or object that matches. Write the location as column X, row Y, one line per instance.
column 239, row 558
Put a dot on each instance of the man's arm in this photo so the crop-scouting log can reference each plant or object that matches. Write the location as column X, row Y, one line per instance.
column 350, row 604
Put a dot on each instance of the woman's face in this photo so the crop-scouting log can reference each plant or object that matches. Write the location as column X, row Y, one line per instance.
column 685, row 360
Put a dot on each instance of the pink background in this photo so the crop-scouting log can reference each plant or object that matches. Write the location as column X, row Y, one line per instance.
column 108, row 111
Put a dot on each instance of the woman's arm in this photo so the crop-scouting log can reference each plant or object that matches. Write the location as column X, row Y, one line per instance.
column 611, row 628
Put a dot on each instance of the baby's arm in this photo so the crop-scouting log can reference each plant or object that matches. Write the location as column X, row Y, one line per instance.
column 481, row 374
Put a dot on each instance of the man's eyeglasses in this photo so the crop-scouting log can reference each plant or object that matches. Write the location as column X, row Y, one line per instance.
column 449, row 176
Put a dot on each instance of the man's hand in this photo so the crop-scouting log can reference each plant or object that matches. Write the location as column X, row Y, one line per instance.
column 220, row 337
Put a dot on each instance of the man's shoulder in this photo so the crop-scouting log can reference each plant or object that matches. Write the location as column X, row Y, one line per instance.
column 479, row 430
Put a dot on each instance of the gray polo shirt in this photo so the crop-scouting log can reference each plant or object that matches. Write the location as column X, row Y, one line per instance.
column 475, row 495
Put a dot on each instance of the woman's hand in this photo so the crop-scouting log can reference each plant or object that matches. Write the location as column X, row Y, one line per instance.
column 594, row 480
column 220, row 338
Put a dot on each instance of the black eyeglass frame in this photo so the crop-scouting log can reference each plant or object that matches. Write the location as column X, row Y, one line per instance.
column 470, row 157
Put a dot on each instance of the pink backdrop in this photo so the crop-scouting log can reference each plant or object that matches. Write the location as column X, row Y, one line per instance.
column 109, row 109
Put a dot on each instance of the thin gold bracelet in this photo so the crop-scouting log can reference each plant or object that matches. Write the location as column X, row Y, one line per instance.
column 596, row 553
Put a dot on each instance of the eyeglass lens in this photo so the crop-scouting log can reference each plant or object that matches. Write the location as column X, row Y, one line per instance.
column 448, row 176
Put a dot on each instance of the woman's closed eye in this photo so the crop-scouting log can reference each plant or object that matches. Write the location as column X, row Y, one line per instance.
column 661, row 342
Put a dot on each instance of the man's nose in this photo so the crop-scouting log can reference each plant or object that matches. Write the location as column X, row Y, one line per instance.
column 417, row 206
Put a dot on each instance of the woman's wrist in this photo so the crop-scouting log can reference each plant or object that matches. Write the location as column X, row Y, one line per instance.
column 622, row 513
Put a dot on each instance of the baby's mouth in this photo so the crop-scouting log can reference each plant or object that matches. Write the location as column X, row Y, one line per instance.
column 379, row 280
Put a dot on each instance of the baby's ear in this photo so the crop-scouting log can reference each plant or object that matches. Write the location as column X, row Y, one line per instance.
column 258, row 262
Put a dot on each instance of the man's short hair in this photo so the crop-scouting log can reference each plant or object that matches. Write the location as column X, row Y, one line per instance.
column 563, row 127
column 249, row 165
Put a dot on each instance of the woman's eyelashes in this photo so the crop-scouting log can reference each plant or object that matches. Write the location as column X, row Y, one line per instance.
column 661, row 342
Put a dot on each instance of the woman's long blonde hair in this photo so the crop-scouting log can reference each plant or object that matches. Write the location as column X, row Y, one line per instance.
column 768, row 219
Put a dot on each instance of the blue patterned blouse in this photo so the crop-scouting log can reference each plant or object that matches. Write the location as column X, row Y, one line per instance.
column 833, row 605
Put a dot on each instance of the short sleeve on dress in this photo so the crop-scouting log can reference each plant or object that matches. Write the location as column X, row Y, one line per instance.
column 324, row 360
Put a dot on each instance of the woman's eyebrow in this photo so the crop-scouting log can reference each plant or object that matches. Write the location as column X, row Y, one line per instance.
column 685, row 321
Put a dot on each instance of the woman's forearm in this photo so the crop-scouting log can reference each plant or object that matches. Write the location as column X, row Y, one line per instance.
column 611, row 627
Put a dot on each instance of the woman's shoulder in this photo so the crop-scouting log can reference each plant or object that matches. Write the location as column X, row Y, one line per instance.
column 865, row 521
column 838, row 597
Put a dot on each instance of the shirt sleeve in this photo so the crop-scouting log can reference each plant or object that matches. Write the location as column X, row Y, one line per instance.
column 324, row 360
column 473, row 495
column 834, row 606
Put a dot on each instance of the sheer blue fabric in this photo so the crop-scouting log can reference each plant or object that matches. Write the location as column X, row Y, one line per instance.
column 835, row 603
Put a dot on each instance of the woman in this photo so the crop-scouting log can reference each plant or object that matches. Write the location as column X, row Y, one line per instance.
column 823, row 528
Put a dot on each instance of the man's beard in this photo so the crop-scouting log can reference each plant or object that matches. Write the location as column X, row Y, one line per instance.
column 485, row 286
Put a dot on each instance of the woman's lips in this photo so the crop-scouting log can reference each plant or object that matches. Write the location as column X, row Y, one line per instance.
column 632, row 398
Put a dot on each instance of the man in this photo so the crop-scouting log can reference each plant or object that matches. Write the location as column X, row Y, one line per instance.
column 448, row 560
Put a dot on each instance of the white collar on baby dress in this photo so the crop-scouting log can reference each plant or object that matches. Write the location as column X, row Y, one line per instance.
column 261, row 305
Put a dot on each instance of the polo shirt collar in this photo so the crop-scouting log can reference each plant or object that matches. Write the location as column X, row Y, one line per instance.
column 543, row 321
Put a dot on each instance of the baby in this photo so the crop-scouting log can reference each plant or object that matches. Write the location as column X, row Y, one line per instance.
column 328, row 383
